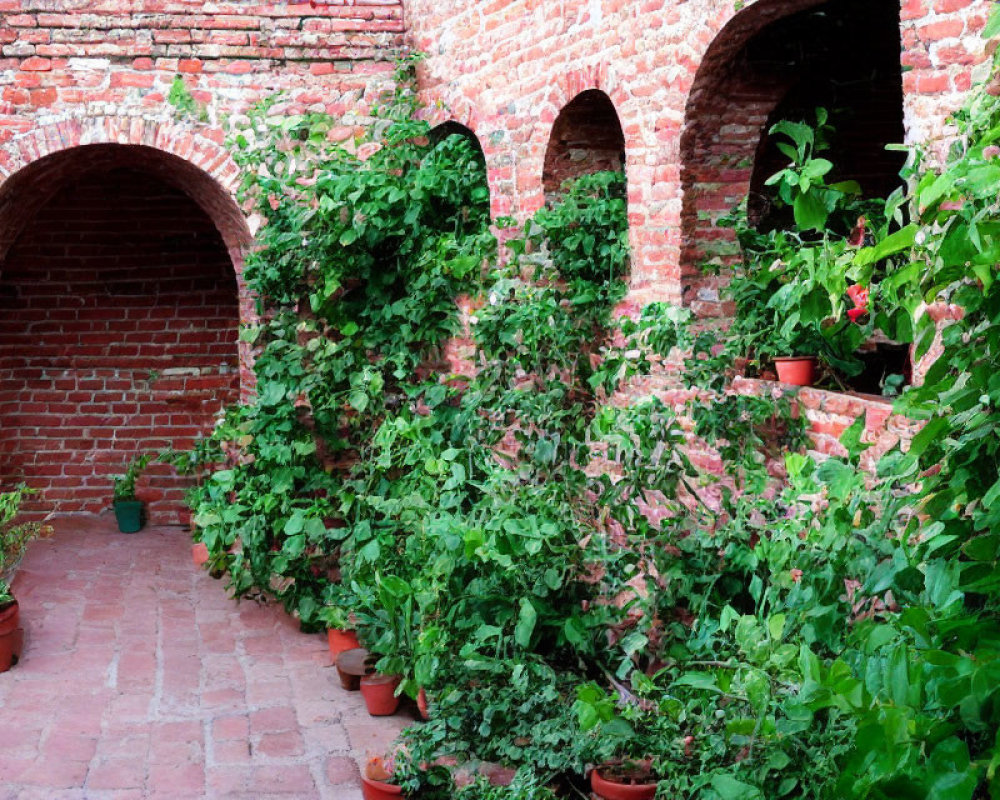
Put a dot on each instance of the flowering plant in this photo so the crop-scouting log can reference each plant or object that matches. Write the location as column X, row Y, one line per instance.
column 859, row 296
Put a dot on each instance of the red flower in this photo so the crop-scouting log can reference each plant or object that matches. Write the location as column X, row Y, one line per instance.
column 858, row 294
column 854, row 313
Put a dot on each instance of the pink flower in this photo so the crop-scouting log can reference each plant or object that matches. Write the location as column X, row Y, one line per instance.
column 859, row 295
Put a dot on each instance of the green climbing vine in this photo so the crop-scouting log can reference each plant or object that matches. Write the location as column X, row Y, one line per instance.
column 563, row 574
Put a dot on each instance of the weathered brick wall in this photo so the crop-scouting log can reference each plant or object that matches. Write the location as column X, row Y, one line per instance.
column 118, row 314
column 678, row 75
column 104, row 353
column 65, row 56
column 944, row 55
column 507, row 69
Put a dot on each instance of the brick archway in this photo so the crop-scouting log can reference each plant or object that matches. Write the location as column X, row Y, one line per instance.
column 586, row 137
column 121, row 288
column 191, row 158
column 761, row 59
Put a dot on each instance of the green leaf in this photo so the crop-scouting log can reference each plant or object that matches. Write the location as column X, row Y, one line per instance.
column 526, row 620
column 902, row 239
column 295, row 523
column 358, row 400
column 294, row 546
column 776, row 626
column 810, row 211
column 993, row 24
column 731, row 789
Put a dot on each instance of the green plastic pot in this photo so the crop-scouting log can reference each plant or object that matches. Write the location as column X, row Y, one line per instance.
column 128, row 514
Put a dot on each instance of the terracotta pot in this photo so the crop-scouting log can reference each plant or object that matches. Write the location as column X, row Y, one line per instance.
column 11, row 636
column 199, row 553
column 373, row 789
column 351, row 666
column 610, row 790
column 340, row 641
column 796, row 370
column 379, row 692
column 422, row 703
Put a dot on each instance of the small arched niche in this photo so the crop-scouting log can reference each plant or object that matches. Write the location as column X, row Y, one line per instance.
column 586, row 137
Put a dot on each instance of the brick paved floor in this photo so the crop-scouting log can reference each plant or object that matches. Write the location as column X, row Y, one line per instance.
column 142, row 678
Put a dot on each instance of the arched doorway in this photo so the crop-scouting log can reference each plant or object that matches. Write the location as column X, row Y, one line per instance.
column 586, row 137
column 119, row 314
column 781, row 60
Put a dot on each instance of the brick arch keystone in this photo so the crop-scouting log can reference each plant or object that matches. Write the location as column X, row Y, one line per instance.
column 565, row 87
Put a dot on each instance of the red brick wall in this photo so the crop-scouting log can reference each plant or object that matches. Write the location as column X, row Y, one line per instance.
column 118, row 315
column 507, row 69
column 59, row 57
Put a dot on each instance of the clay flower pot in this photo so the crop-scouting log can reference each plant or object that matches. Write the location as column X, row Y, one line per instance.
column 351, row 666
column 796, row 370
column 612, row 790
column 422, row 704
column 379, row 692
column 374, row 786
column 11, row 636
column 199, row 553
column 340, row 641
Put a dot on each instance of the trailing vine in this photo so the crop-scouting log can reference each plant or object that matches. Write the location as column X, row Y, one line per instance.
column 562, row 573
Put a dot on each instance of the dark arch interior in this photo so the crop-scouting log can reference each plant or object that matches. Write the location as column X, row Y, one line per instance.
column 843, row 55
column 451, row 128
column 118, row 330
column 852, row 70
column 586, row 137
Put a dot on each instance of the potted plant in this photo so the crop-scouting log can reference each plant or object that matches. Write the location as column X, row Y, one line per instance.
column 620, row 746
column 387, row 614
column 379, row 692
column 14, row 539
column 375, row 781
column 334, row 615
column 11, row 635
column 788, row 292
column 624, row 780
column 129, row 510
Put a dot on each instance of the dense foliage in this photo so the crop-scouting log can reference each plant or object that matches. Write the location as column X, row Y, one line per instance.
column 15, row 535
column 551, row 564
column 792, row 286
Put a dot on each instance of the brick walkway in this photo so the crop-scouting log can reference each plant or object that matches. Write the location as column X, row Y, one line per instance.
column 142, row 678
